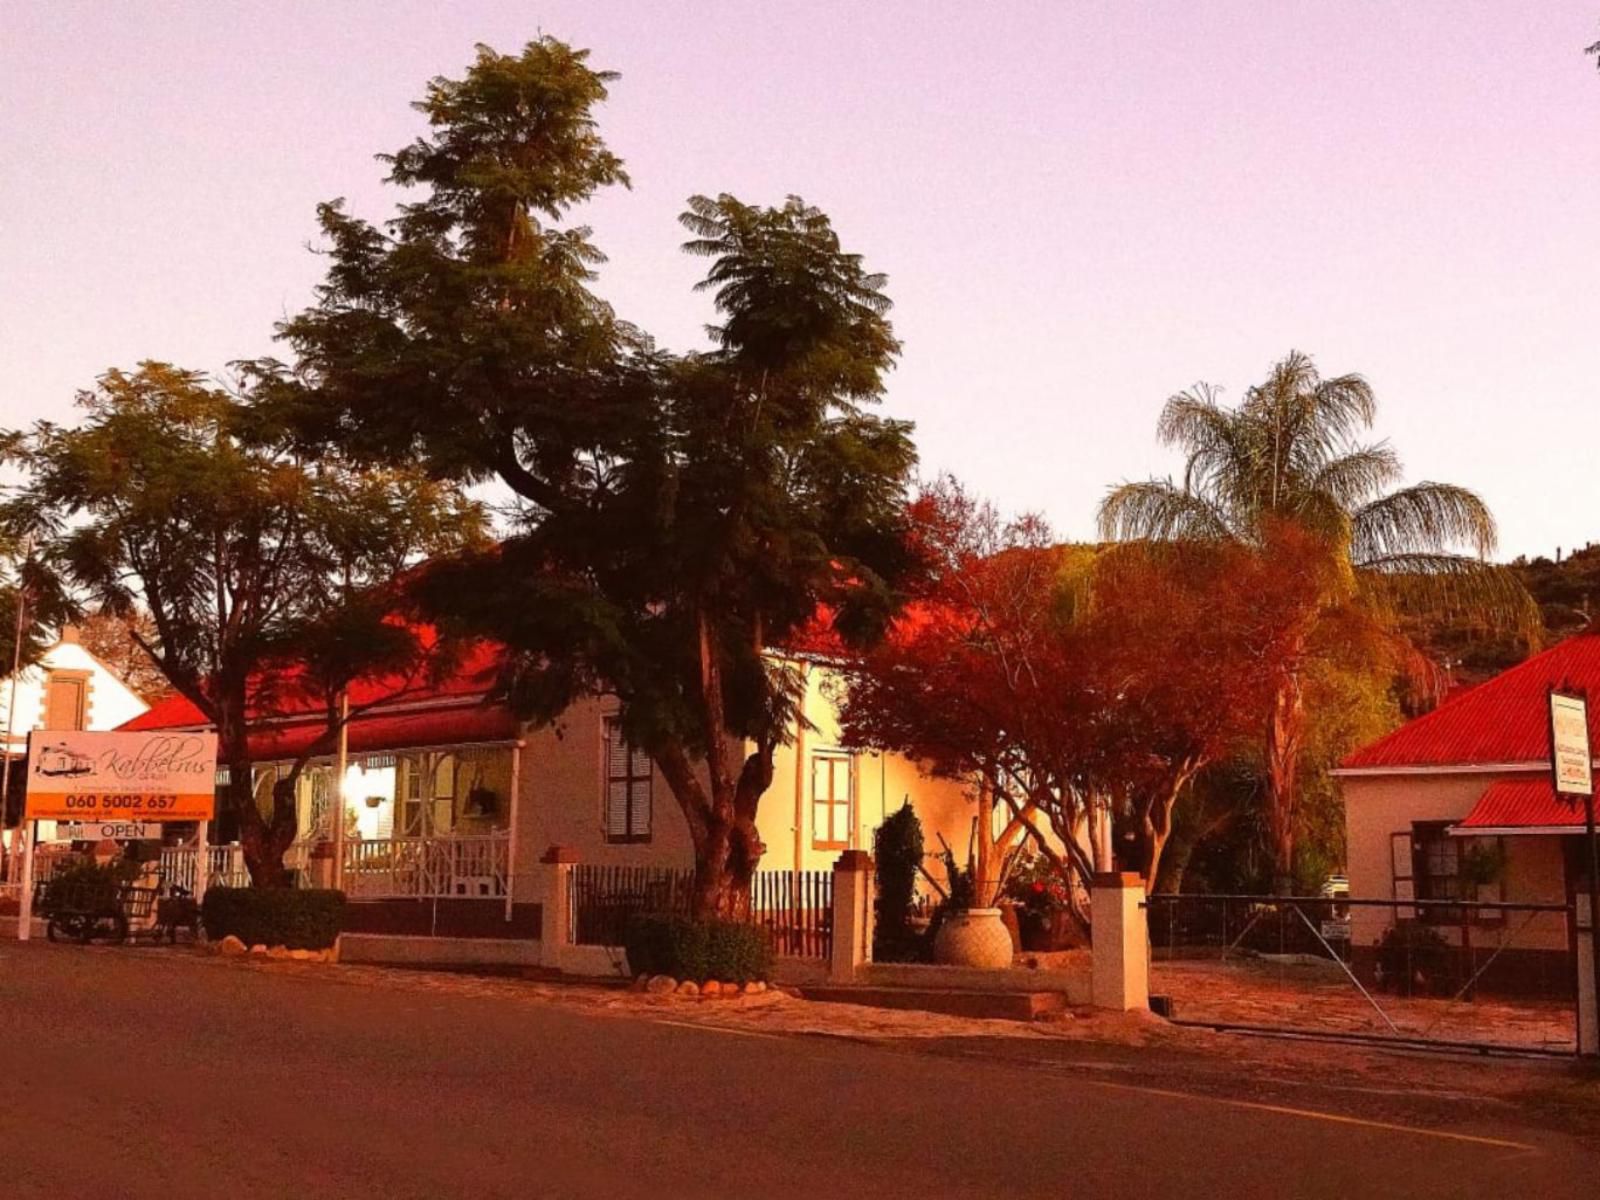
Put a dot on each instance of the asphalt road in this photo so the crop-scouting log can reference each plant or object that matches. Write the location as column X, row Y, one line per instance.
column 146, row 1073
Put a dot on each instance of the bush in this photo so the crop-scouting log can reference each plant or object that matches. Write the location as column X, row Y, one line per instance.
column 727, row 951
column 85, row 884
column 1414, row 958
column 897, row 855
column 299, row 918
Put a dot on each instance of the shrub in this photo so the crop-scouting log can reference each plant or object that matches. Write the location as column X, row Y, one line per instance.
column 85, row 883
column 897, row 855
column 299, row 918
column 727, row 951
column 1413, row 957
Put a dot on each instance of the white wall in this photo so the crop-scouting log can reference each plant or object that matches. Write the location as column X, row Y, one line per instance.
column 109, row 701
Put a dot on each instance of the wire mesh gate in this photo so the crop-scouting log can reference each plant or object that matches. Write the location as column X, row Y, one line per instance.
column 1467, row 975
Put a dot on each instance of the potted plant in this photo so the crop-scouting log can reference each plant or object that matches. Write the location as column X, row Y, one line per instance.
column 1044, row 913
column 969, row 935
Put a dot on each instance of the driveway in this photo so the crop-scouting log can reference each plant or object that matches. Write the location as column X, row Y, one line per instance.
column 151, row 1073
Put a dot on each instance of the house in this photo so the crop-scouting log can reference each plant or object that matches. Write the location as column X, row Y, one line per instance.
column 451, row 801
column 68, row 688
column 1459, row 804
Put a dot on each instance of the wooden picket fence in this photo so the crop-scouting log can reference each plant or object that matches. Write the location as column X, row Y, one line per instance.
column 796, row 910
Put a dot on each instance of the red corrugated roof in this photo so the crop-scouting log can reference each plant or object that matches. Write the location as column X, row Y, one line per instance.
column 1506, row 720
column 1523, row 804
column 404, row 714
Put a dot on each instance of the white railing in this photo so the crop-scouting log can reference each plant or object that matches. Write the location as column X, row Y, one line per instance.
column 224, row 866
column 423, row 868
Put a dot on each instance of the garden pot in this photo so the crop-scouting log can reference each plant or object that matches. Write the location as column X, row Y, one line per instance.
column 1045, row 932
column 973, row 937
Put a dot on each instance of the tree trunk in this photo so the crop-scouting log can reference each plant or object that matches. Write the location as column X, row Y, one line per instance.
column 1285, row 729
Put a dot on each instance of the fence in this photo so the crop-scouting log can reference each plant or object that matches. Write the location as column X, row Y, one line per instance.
column 224, row 866
column 796, row 910
column 1482, row 974
column 424, row 868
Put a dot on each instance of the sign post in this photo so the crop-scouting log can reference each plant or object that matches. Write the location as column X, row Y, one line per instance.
column 119, row 780
column 1572, row 771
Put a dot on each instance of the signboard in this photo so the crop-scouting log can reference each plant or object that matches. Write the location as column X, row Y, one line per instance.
column 128, row 777
column 1570, row 757
column 110, row 831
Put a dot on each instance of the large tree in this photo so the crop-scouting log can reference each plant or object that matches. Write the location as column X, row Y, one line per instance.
column 267, row 579
column 1289, row 457
column 679, row 516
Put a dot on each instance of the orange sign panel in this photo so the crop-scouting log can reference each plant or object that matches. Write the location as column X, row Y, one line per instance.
column 84, row 776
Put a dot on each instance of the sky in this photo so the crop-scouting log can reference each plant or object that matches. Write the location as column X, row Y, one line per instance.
column 1082, row 207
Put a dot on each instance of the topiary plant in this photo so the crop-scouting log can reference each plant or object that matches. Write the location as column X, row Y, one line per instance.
column 897, row 857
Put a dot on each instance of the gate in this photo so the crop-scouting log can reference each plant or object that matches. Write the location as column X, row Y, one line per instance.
column 1448, row 973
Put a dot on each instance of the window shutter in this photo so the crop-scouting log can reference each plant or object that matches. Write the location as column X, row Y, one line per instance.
column 617, row 808
column 640, row 824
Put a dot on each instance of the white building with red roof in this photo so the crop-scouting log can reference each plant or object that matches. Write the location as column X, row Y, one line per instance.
column 1459, row 804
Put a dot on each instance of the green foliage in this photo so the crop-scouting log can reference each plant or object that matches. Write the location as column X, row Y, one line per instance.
column 168, row 498
column 679, row 514
column 85, row 883
column 667, row 944
column 1413, row 957
column 897, row 851
column 299, row 918
column 1484, row 863
column 961, row 883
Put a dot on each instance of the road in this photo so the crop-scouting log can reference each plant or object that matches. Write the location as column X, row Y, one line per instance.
column 151, row 1073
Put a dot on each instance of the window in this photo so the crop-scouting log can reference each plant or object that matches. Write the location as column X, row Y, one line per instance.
column 627, row 798
column 832, row 796
column 1436, row 860
column 64, row 701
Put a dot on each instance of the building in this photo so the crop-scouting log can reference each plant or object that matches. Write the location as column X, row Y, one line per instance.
column 68, row 688
column 451, row 801
column 1459, row 804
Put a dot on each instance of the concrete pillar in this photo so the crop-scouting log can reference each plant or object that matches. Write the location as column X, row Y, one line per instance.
column 1588, row 1011
column 1121, row 942
column 555, row 904
column 852, row 915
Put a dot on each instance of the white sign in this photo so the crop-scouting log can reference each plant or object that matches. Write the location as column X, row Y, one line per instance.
column 1570, row 757
column 111, row 831
column 76, row 775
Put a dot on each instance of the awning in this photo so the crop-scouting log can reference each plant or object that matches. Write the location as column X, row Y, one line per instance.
column 1522, row 806
column 461, row 725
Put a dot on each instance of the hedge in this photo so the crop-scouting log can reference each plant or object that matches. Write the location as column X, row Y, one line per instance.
column 727, row 951
column 299, row 918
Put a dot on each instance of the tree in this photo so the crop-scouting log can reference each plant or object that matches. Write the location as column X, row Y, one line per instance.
column 246, row 559
column 1287, row 457
column 1076, row 689
column 115, row 640
column 680, row 516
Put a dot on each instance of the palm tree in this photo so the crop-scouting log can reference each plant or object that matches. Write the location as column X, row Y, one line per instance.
column 1289, row 456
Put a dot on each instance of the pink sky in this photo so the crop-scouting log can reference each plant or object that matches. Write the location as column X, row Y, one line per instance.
column 1082, row 206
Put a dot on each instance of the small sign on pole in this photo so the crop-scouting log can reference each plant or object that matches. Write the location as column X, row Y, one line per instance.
column 1572, row 773
column 110, row 831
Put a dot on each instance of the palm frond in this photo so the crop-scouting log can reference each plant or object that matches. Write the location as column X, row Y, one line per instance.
column 1157, row 510
column 1425, row 518
column 1432, row 584
column 1355, row 477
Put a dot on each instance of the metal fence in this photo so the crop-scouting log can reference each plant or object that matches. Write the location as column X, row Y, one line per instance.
column 1479, row 974
column 796, row 910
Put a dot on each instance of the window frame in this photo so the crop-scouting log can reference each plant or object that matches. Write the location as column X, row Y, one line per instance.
column 832, row 804
column 610, row 733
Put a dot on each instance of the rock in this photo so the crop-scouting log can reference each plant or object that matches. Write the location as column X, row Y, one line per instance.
column 753, row 988
column 660, row 985
column 278, row 952
column 641, row 982
column 258, row 948
column 688, row 988
column 759, row 985
column 711, row 988
column 305, row 955
column 232, row 947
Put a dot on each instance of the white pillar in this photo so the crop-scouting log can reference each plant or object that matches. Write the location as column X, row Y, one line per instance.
column 555, row 910
column 30, row 832
column 1121, row 942
column 1588, row 1011
column 852, row 915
